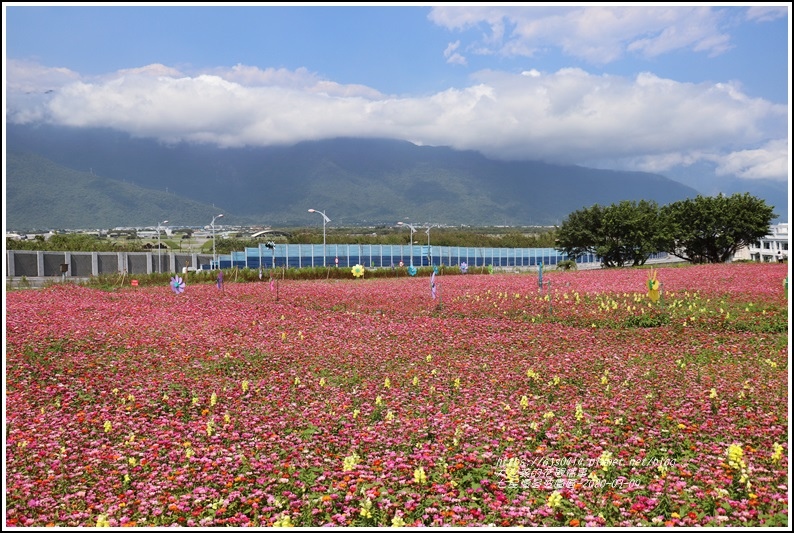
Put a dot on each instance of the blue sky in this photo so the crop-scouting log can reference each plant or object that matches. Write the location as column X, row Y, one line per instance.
column 649, row 87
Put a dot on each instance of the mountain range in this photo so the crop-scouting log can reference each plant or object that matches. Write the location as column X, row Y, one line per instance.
column 58, row 177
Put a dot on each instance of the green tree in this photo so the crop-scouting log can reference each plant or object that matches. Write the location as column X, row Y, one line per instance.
column 620, row 234
column 710, row 229
column 580, row 232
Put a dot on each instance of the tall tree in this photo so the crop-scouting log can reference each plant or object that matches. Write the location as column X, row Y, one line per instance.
column 579, row 233
column 710, row 229
column 620, row 234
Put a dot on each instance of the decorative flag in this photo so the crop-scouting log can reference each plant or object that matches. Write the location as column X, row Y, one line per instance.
column 653, row 286
column 412, row 270
column 433, row 284
column 260, row 273
column 464, row 267
column 272, row 282
column 219, row 283
column 177, row 285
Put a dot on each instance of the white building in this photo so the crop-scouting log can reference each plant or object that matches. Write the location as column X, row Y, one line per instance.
column 773, row 247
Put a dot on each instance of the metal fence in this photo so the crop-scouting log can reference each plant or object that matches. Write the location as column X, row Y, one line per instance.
column 385, row 255
column 85, row 264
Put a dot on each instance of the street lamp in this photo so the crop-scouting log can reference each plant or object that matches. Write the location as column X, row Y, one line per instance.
column 159, row 259
column 214, row 259
column 413, row 229
column 326, row 220
column 429, row 257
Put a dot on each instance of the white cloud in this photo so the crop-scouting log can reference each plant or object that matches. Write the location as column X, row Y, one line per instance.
column 29, row 77
column 767, row 13
column 452, row 56
column 568, row 116
column 770, row 161
column 598, row 34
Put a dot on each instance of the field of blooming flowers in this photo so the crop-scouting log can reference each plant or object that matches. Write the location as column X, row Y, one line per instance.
column 368, row 402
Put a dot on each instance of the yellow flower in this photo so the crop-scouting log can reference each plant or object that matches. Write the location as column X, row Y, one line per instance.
column 357, row 271
column 389, row 415
column 457, row 383
column 778, row 453
column 213, row 399
column 102, row 521
column 524, row 402
column 554, row 499
column 512, row 467
column 283, row 521
column 245, row 385
column 420, row 476
column 429, row 358
column 397, row 521
column 605, row 459
column 322, row 382
column 532, row 375
column 378, row 400
column 387, row 383
column 132, row 461
column 415, row 381
column 350, row 462
column 735, row 456
column 549, row 414
column 579, row 412
column 356, row 412
column 297, row 381
column 713, row 393
column 226, row 418
column 108, row 426
column 189, row 452
column 366, row 505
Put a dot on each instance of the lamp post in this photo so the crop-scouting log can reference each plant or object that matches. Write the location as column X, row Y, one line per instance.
column 326, row 220
column 413, row 229
column 429, row 257
column 214, row 259
column 159, row 258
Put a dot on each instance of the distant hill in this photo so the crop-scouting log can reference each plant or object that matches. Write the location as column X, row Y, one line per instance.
column 355, row 181
column 42, row 195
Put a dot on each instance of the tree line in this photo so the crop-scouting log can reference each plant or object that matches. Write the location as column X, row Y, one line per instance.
column 704, row 229
column 473, row 238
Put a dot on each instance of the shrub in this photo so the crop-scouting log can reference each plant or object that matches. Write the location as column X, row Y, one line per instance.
column 568, row 264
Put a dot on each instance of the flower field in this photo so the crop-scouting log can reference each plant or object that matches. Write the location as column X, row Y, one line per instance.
column 367, row 402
